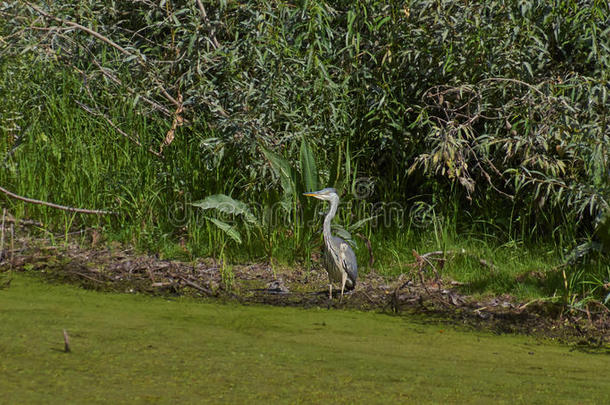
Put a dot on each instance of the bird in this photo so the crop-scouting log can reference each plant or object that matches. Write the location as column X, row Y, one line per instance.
column 339, row 258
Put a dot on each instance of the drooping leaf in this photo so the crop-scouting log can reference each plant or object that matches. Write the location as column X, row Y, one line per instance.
column 343, row 233
column 358, row 224
column 228, row 229
column 309, row 171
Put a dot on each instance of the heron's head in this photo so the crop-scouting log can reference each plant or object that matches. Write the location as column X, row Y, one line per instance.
column 327, row 194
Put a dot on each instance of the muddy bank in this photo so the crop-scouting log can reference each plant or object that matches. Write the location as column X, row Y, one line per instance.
column 124, row 271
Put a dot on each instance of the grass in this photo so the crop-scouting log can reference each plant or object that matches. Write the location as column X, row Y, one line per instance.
column 526, row 272
column 138, row 349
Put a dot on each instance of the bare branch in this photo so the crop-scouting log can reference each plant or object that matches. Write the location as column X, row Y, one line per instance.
column 52, row 205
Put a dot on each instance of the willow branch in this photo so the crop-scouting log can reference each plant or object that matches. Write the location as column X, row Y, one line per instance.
column 82, row 28
column 204, row 15
column 108, row 41
column 119, row 83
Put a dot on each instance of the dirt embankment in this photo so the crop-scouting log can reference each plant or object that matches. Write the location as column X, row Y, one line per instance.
column 123, row 271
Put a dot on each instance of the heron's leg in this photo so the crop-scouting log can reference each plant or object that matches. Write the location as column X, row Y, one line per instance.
column 330, row 291
column 343, row 280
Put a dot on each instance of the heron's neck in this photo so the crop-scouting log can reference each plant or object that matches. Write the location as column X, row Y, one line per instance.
column 329, row 217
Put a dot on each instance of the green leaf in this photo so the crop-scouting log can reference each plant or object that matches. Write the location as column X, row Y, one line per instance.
column 225, row 204
column 528, row 67
column 342, row 233
column 360, row 223
column 309, row 171
column 382, row 21
column 229, row 230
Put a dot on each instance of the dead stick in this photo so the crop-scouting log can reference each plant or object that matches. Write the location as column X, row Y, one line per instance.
column 194, row 285
column 88, row 277
column 23, row 222
column 52, row 205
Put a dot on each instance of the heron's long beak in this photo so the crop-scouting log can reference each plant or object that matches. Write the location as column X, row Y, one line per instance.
column 315, row 194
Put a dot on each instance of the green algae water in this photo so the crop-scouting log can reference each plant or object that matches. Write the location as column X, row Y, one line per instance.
column 140, row 349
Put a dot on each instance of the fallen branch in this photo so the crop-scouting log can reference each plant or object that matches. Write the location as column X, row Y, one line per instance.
column 53, row 205
column 482, row 262
column 87, row 277
column 24, row 222
column 534, row 301
column 195, row 286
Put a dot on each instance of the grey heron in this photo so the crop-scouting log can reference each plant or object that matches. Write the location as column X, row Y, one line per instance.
column 339, row 258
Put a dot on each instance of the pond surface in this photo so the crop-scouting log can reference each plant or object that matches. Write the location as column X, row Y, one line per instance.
column 135, row 348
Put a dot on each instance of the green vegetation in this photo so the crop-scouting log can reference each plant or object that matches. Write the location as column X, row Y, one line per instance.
column 140, row 349
column 476, row 128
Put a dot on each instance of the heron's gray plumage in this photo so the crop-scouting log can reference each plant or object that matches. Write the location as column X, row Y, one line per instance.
column 346, row 260
column 339, row 258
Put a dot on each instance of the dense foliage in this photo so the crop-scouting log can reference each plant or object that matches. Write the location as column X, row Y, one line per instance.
column 492, row 113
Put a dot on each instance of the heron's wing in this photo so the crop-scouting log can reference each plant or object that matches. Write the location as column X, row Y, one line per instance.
column 347, row 257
